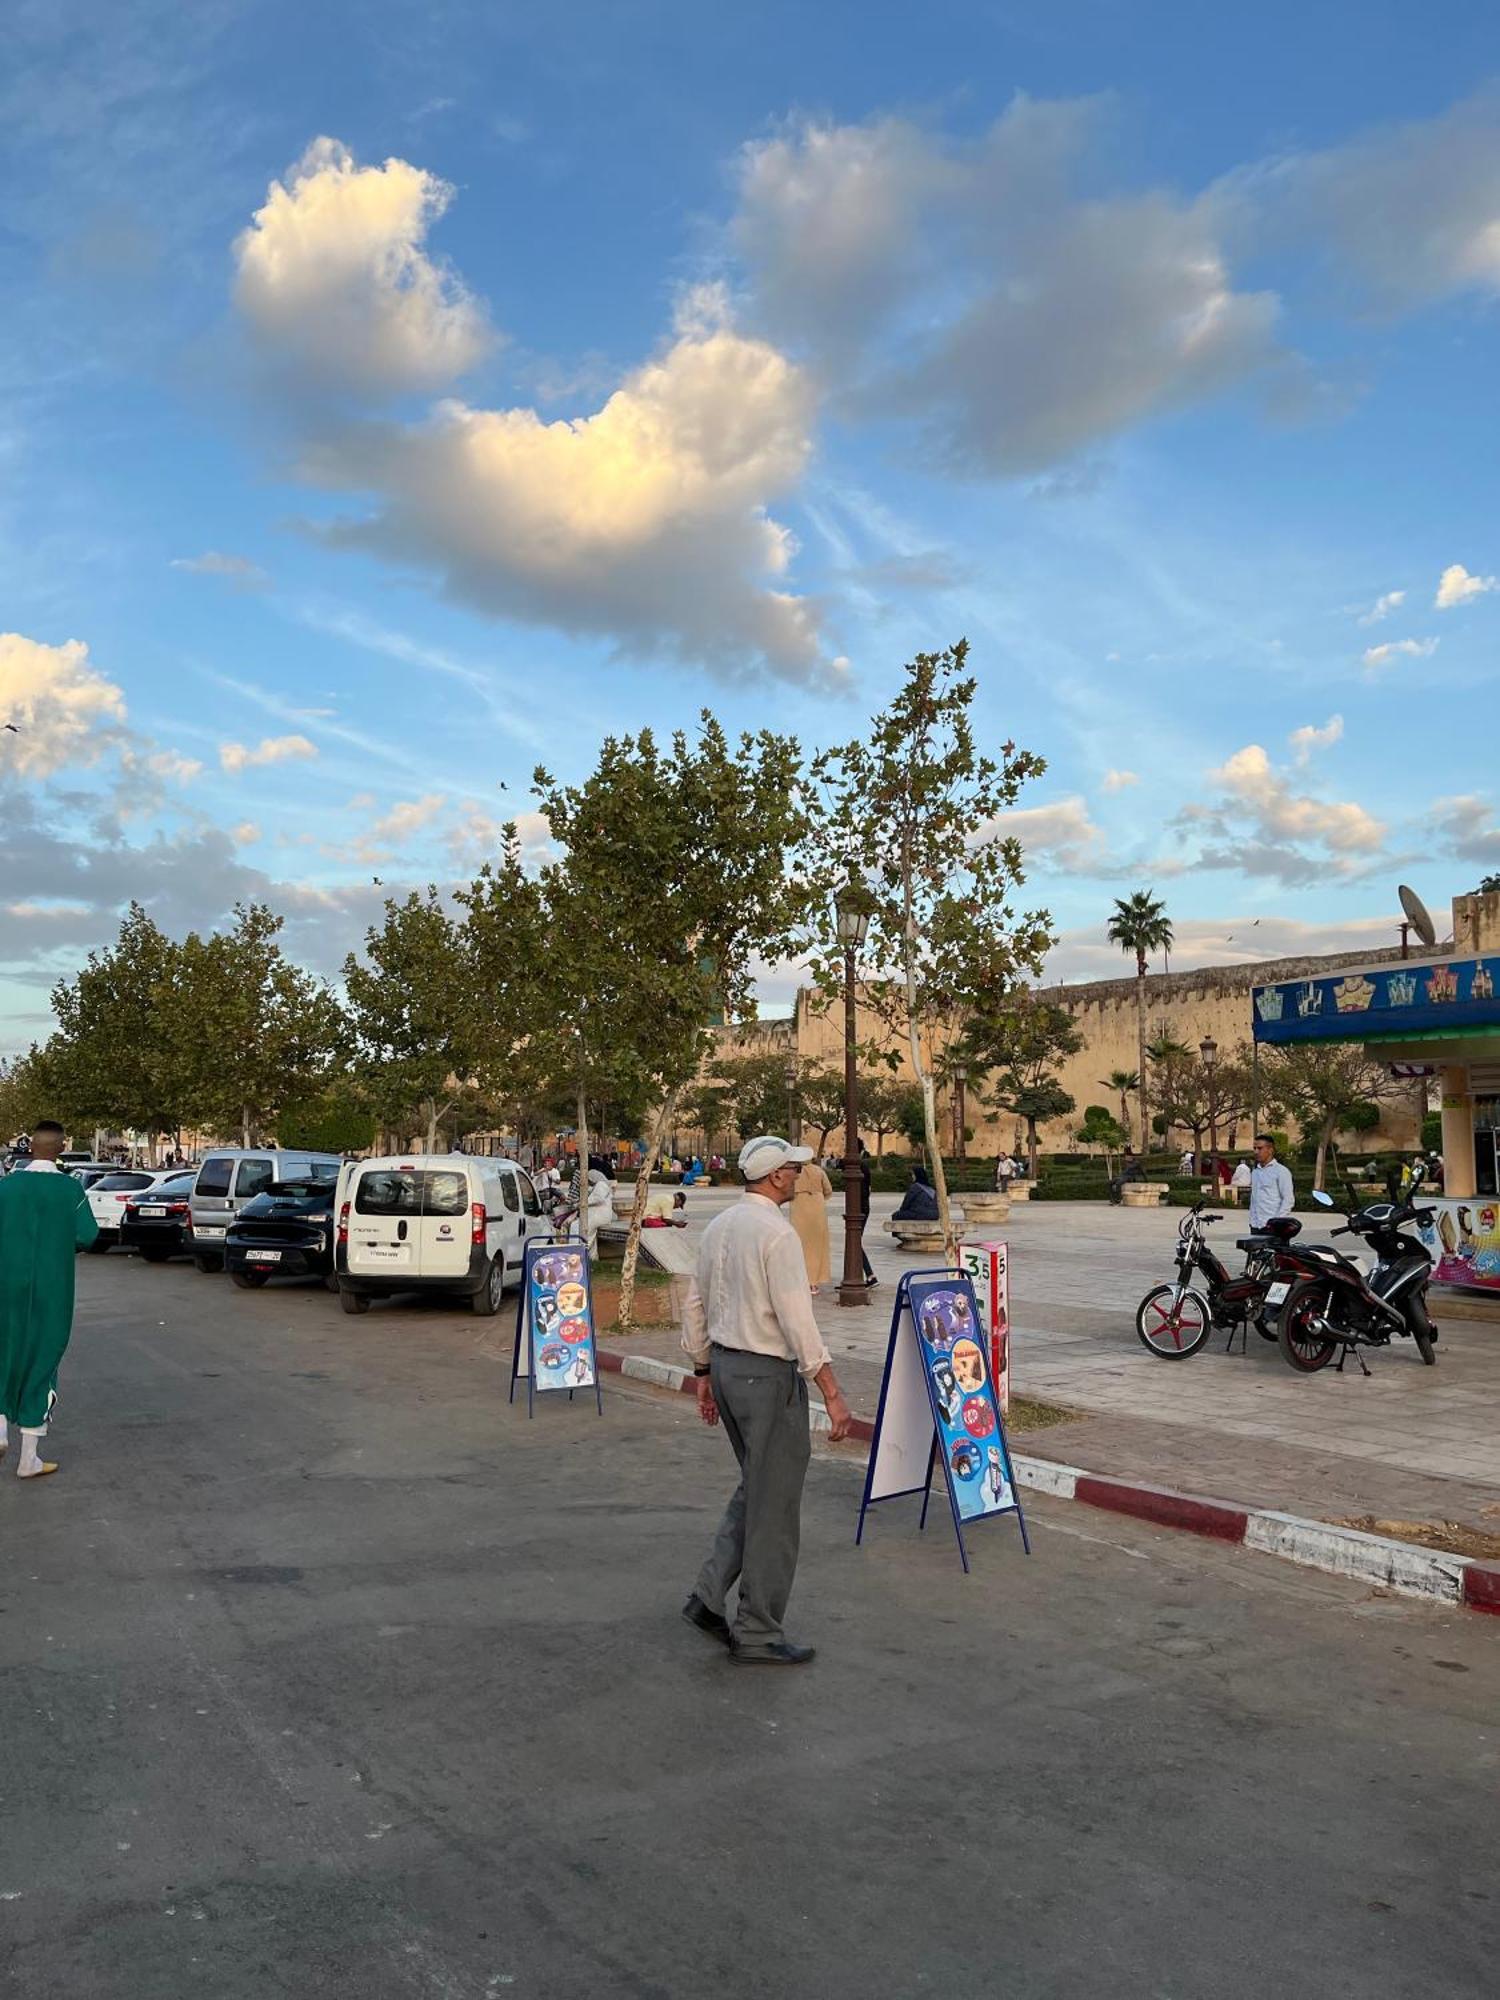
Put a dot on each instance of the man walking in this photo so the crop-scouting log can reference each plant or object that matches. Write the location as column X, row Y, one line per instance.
column 1271, row 1190
column 748, row 1326
column 45, row 1219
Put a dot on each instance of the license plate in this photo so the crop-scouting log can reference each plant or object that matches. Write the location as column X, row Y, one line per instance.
column 386, row 1253
column 262, row 1256
column 206, row 1229
column 150, row 1211
column 1276, row 1293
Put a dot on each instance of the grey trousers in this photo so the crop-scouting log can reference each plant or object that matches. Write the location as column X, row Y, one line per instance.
column 763, row 1406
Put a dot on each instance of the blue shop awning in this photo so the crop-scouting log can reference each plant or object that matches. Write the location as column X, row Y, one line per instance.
column 1408, row 1000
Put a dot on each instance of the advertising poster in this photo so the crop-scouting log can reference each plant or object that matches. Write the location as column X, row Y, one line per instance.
column 962, row 1393
column 555, row 1323
column 988, row 1267
column 1464, row 1239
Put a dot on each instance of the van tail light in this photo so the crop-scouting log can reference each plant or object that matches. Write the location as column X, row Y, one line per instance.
column 481, row 1222
column 344, row 1224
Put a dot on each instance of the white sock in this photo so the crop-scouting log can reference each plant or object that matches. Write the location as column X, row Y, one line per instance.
column 30, row 1457
column 4, row 1433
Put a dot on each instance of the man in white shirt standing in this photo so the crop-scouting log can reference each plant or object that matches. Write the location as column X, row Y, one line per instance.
column 749, row 1328
column 1271, row 1191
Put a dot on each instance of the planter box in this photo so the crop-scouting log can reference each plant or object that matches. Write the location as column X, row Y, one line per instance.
column 1144, row 1194
column 985, row 1211
column 1020, row 1191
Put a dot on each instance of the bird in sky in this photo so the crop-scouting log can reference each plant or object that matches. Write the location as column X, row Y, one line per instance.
column 13, row 729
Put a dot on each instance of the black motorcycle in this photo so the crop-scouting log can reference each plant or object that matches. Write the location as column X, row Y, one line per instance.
column 1173, row 1321
column 1324, row 1302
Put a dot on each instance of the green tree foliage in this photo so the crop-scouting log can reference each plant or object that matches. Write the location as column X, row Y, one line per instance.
column 1204, row 1098
column 334, row 1121
column 1018, row 1039
column 1325, row 1086
column 1140, row 925
column 116, row 1060
column 910, row 822
column 1123, row 1081
column 674, row 877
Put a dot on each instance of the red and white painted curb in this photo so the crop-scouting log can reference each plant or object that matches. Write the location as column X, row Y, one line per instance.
column 1404, row 1567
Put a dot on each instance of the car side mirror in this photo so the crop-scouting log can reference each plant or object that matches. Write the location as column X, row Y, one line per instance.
column 1323, row 1198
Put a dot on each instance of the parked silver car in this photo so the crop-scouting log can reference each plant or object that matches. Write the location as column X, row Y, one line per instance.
column 230, row 1176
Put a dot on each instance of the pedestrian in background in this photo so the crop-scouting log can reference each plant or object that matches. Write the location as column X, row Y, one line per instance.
column 749, row 1329
column 809, row 1213
column 45, row 1219
column 1271, row 1190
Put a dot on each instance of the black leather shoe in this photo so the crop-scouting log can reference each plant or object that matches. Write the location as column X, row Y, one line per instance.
column 696, row 1612
column 782, row 1654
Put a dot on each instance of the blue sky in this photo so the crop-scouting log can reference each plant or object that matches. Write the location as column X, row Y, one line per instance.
column 392, row 397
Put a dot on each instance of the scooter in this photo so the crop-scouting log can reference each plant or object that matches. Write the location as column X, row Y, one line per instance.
column 1324, row 1301
column 1173, row 1321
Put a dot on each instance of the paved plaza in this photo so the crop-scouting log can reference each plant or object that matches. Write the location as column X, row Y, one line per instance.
column 327, row 1672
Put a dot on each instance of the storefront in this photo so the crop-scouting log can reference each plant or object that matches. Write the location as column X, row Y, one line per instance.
column 1440, row 1015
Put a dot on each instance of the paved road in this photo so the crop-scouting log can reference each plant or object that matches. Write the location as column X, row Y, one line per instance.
column 327, row 1672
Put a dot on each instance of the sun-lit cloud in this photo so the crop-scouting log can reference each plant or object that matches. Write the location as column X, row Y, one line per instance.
column 1398, row 649
column 1456, row 586
column 334, row 281
column 61, row 709
column 245, row 834
column 1342, row 826
column 407, row 817
column 1118, row 781
column 1313, row 736
column 1060, row 835
column 1384, row 605
column 235, row 757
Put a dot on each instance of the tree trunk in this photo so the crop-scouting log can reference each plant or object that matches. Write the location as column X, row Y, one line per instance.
column 429, row 1105
column 245, row 1127
column 1031, row 1147
column 1325, row 1133
column 581, row 1139
column 1125, row 1117
column 638, row 1208
column 1140, row 1026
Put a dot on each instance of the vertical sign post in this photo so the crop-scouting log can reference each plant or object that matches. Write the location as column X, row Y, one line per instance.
column 988, row 1265
column 555, row 1344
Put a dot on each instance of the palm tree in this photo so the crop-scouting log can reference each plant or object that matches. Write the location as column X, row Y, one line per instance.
column 1124, row 1081
column 1141, row 925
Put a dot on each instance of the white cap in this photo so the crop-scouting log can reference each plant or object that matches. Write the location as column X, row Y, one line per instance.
column 763, row 1155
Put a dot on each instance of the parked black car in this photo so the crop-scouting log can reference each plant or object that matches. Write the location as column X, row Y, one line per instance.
column 287, row 1232
column 156, row 1222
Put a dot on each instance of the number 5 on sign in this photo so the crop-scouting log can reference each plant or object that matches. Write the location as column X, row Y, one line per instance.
column 988, row 1264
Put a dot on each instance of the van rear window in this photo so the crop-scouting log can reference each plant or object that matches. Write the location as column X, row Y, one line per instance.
column 416, row 1193
column 213, row 1176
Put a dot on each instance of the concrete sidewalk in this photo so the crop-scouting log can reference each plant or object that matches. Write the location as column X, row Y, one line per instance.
column 1410, row 1444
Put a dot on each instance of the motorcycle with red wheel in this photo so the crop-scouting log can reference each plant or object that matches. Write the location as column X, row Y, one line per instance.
column 1325, row 1302
column 1173, row 1321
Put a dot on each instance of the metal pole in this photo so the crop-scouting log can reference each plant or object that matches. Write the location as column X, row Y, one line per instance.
column 852, row 1288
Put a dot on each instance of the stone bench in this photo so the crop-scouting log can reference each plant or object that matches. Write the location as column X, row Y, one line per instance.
column 1144, row 1194
column 985, row 1211
column 917, row 1235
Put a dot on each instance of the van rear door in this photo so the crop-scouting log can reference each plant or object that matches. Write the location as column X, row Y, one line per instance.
column 384, row 1212
column 446, row 1225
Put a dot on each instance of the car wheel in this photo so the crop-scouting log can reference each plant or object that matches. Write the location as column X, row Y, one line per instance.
column 249, row 1281
column 206, row 1262
column 353, row 1302
column 487, row 1300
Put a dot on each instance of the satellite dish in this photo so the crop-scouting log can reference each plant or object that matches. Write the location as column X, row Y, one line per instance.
column 1416, row 915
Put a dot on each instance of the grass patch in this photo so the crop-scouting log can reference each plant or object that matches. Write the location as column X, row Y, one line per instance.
column 1454, row 1538
column 1027, row 1414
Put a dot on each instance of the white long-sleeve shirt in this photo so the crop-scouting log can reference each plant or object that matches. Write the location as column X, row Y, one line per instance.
column 1271, row 1193
column 750, row 1290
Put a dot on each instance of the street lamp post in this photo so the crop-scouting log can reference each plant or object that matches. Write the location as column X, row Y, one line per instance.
column 791, row 1103
column 853, row 920
column 1208, row 1048
column 960, row 1078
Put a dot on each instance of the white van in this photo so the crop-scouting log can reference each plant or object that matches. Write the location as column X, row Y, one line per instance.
column 442, row 1222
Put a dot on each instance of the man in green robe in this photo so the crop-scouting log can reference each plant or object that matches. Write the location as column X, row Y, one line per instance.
column 45, row 1219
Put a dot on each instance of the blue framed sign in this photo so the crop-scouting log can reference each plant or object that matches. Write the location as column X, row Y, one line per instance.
column 555, row 1343
column 1402, row 996
column 938, row 1404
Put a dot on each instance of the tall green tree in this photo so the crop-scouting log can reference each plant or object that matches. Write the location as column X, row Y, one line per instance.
column 1123, row 1081
column 1204, row 1098
column 116, row 1059
column 1325, row 1086
column 674, row 858
column 1018, row 1038
column 1139, row 926
column 251, row 1030
column 912, row 819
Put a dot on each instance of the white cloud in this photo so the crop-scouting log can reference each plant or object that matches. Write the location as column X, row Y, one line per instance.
column 645, row 521
column 477, row 835
column 334, row 280
column 1455, row 585
column 1470, row 826
column 984, row 290
column 238, row 570
column 1060, row 833
column 407, row 817
column 237, row 757
column 1118, row 781
column 1399, row 649
column 1281, row 815
column 1382, row 608
column 245, row 834
column 63, row 709
column 1310, row 737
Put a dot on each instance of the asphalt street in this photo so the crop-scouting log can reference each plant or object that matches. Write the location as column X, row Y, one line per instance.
column 326, row 1671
